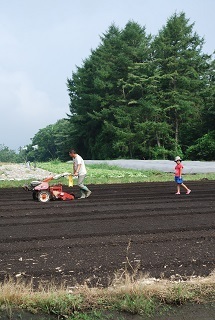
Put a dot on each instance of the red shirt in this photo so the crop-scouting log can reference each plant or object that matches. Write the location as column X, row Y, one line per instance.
column 178, row 169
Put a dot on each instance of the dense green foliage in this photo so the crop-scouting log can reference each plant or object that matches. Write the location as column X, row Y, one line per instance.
column 137, row 96
column 7, row 155
column 53, row 142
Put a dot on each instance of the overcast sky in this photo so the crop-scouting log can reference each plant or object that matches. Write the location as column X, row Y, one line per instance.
column 42, row 42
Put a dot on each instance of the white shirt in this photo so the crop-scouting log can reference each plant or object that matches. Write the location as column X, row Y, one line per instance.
column 79, row 160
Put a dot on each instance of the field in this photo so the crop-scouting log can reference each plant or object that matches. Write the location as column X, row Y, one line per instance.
column 139, row 228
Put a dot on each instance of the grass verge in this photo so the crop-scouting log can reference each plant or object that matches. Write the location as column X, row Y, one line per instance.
column 105, row 174
column 143, row 296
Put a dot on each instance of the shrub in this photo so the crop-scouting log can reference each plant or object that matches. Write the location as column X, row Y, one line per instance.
column 204, row 149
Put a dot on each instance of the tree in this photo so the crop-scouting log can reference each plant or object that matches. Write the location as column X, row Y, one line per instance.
column 203, row 149
column 181, row 65
column 63, row 138
column 208, row 96
column 7, row 155
column 96, row 91
column 54, row 141
column 138, row 97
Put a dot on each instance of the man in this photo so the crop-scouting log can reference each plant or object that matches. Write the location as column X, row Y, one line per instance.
column 80, row 171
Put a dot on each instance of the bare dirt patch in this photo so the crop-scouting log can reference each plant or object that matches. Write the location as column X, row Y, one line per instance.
column 17, row 171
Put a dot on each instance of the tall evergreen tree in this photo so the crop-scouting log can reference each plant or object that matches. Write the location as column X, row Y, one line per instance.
column 134, row 97
column 92, row 93
column 97, row 117
column 181, row 64
column 208, row 96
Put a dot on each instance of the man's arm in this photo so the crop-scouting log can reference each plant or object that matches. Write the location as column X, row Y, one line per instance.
column 77, row 170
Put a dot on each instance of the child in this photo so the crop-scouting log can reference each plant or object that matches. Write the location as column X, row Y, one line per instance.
column 178, row 176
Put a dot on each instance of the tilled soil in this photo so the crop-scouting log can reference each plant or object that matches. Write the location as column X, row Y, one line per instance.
column 142, row 226
column 139, row 225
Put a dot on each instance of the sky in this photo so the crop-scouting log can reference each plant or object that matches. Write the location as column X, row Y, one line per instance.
column 43, row 41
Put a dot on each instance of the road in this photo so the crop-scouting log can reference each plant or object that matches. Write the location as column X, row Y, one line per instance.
column 160, row 165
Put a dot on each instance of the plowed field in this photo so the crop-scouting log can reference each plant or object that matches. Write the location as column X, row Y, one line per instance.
column 141, row 225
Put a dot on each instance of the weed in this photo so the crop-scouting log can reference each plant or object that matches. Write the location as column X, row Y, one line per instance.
column 141, row 296
column 136, row 304
column 93, row 315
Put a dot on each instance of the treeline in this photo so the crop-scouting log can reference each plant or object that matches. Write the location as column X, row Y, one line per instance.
column 52, row 142
column 139, row 96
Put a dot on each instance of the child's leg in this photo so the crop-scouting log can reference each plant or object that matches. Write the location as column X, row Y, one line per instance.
column 178, row 188
column 185, row 187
